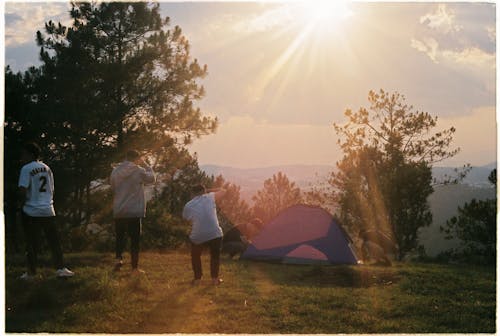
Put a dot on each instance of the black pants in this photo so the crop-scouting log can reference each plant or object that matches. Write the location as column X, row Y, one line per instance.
column 133, row 227
column 32, row 230
column 215, row 246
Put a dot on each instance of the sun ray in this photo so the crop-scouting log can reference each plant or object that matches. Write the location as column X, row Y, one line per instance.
column 282, row 61
column 316, row 31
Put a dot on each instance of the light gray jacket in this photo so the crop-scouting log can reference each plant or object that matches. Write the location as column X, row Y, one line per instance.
column 127, row 182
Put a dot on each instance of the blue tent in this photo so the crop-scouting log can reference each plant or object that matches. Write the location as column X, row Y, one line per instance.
column 302, row 234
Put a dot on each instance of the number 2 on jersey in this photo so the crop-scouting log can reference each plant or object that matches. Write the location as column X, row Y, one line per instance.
column 43, row 180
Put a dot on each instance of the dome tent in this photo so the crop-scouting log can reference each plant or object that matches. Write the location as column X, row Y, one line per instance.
column 302, row 234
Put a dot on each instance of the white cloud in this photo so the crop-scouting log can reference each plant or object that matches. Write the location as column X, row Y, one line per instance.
column 491, row 33
column 30, row 17
column 459, row 41
column 443, row 20
column 472, row 57
column 468, row 57
column 428, row 46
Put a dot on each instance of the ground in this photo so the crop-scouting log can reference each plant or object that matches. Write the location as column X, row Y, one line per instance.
column 254, row 298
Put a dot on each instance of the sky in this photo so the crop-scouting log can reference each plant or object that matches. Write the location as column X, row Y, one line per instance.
column 281, row 73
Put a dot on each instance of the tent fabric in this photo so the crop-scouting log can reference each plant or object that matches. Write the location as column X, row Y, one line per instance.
column 302, row 234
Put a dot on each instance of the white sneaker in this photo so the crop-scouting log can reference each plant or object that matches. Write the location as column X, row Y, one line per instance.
column 138, row 271
column 64, row 273
column 26, row 276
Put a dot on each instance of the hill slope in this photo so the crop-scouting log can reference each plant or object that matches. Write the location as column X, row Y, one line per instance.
column 443, row 202
column 255, row 298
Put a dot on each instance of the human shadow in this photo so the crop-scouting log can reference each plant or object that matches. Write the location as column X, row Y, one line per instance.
column 353, row 276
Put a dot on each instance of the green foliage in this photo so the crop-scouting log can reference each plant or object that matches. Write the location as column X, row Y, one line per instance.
column 476, row 227
column 385, row 176
column 117, row 77
column 166, row 231
column 278, row 194
column 174, row 189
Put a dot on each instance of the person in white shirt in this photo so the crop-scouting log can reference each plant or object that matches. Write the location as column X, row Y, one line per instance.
column 129, row 204
column 36, row 185
column 205, row 231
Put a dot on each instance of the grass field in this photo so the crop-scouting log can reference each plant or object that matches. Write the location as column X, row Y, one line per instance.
column 254, row 298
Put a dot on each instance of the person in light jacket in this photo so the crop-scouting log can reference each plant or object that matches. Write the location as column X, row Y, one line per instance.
column 129, row 204
column 201, row 212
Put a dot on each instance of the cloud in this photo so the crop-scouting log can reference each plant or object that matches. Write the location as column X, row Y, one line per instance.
column 442, row 20
column 24, row 19
column 471, row 56
column 428, row 46
column 459, row 27
column 11, row 18
column 461, row 38
column 491, row 33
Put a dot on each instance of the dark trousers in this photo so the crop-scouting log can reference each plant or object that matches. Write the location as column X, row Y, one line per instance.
column 133, row 227
column 215, row 247
column 32, row 230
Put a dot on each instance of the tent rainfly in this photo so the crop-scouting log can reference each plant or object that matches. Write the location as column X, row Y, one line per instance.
column 302, row 234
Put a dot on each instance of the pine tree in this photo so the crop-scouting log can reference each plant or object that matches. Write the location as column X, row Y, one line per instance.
column 117, row 78
column 278, row 194
column 385, row 176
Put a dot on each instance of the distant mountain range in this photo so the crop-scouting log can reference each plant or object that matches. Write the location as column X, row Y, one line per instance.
column 443, row 202
column 252, row 179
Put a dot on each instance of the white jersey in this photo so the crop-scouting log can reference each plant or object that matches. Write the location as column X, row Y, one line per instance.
column 38, row 180
column 201, row 212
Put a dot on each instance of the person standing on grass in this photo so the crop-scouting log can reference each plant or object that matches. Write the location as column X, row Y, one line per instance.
column 205, row 230
column 36, row 188
column 129, row 204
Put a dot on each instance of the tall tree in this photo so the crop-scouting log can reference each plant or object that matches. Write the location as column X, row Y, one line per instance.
column 278, row 193
column 117, row 78
column 385, row 176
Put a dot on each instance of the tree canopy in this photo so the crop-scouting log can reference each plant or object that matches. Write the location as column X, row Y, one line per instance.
column 118, row 77
column 385, row 177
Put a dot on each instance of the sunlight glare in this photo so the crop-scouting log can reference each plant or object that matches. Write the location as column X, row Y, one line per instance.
column 325, row 12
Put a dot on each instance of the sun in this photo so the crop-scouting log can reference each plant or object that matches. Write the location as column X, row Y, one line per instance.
column 316, row 29
column 324, row 12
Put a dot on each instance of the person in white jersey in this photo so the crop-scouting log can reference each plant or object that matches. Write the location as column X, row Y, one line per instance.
column 36, row 184
column 205, row 231
column 129, row 204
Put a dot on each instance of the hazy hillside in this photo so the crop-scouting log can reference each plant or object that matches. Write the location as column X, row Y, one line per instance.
column 443, row 202
column 251, row 180
column 478, row 176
